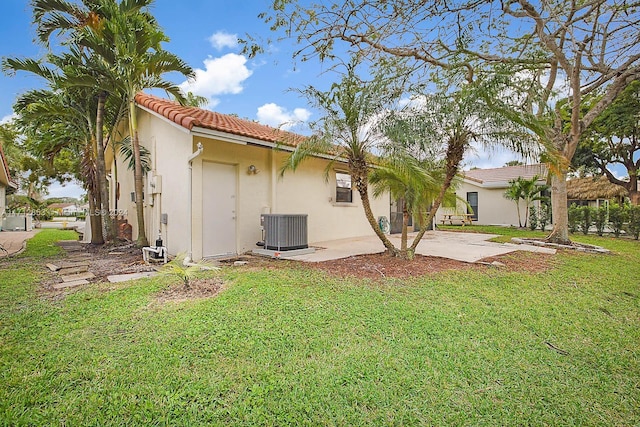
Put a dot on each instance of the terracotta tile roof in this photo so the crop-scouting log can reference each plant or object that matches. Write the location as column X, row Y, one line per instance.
column 504, row 174
column 190, row 117
column 5, row 165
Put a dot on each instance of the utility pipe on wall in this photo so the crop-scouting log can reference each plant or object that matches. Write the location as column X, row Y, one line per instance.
column 191, row 158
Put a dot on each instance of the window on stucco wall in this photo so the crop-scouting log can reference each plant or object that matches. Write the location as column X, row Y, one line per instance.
column 343, row 188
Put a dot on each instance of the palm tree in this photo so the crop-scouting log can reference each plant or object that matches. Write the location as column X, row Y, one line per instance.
column 62, row 121
column 414, row 183
column 126, row 57
column 346, row 132
column 444, row 125
column 514, row 193
column 527, row 190
column 130, row 43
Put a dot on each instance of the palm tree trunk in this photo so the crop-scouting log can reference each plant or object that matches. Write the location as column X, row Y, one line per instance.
column 560, row 232
column 405, row 226
column 94, row 220
column 362, row 185
column 455, row 152
column 105, row 215
column 137, row 175
column 404, row 253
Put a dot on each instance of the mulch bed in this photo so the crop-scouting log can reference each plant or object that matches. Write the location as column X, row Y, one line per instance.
column 379, row 266
column 105, row 261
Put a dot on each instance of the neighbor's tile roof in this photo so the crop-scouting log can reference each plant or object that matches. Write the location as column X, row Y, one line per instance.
column 506, row 173
column 190, row 117
column 3, row 159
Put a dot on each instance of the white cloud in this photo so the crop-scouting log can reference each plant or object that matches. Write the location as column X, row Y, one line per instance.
column 488, row 158
column 71, row 189
column 274, row 115
column 220, row 40
column 8, row 118
column 223, row 75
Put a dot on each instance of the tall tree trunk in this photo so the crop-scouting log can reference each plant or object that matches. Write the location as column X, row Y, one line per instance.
column 455, row 152
column 94, row 220
column 362, row 185
column 105, row 213
column 560, row 212
column 634, row 194
column 137, row 175
column 518, row 210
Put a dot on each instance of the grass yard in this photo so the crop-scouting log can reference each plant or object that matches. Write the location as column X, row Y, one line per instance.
column 293, row 346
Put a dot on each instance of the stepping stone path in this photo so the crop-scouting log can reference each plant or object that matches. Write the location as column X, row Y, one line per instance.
column 74, row 271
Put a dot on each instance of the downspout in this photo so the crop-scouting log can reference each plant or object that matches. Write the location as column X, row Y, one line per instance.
column 190, row 207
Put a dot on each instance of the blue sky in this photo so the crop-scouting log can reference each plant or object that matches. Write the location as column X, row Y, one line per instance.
column 203, row 33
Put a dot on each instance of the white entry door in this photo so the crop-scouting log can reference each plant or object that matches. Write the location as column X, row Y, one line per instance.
column 218, row 209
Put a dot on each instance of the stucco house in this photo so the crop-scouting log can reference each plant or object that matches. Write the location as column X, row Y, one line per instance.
column 66, row 209
column 213, row 175
column 483, row 190
column 7, row 186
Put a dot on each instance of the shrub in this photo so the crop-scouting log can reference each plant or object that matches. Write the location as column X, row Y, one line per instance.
column 617, row 218
column 586, row 218
column 600, row 219
column 574, row 218
column 533, row 218
column 544, row 217
column 633, row 216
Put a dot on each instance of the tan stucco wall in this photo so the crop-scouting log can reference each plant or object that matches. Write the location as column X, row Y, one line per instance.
column 493, row 207
column 169, row 147
column 3, row 199
column 302, row 192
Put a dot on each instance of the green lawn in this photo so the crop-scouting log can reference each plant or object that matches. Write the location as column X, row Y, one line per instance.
column 295, row 347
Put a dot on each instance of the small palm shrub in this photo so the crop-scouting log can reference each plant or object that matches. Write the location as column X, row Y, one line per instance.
column 185, row 272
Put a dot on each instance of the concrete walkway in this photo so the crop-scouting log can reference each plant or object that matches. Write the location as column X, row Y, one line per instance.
column 13, row 241
column 467, row 247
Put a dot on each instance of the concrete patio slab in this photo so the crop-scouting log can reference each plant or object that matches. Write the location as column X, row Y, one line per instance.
column 14, row 241
column 467, row 247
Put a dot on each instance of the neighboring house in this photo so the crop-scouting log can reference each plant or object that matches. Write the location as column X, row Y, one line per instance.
column 594, row 191
column 209, row 203
column 65, row 209
column 7, row 186
column 483, row 190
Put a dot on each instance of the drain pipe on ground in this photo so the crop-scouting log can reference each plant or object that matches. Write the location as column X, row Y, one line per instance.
column 191, row 158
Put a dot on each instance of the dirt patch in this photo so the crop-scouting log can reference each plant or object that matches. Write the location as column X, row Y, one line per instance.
column 110, row 260
column 197, row 289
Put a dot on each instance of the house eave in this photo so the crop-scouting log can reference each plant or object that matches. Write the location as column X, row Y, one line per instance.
column 494, row 184
column 245, row 140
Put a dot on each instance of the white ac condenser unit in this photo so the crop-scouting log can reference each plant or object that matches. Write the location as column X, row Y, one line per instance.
column 284, row 232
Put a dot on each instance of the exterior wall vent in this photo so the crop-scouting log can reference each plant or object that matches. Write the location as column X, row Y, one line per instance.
column 284, row 232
